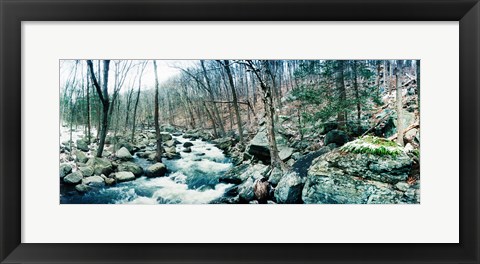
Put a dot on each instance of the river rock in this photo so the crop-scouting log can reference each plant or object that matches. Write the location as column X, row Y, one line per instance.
column 86, row 171
column 169, row 143
column 73, row 178
column 245, row 191
column 224, row 143
column 289, row 189
column 187, row 144
column 65, row 169
column 241, row 173
column 124, row 176
column 156, row 170
column 100, row 165
column 82, row 145
column 165, row 136
column 131, row 167
column 82, row 188
column 124, row 144
column 144, row 154
column 187, row 150
column 81, row 157
column 336, row 136
column 109, row 181
column 123, row 154
column 95, row 181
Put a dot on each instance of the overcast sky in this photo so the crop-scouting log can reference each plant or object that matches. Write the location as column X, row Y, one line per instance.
column 166, row 70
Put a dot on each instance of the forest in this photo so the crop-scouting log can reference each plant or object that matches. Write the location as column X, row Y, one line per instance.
column 239, row 131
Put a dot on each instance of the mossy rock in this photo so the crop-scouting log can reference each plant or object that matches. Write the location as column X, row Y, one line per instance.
column 373, row 145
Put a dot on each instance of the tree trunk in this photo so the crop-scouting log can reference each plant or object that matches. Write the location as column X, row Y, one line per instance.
column 212, row 119
column 235, row 104
column 212, row 98
column 88, row 111
column 158, row 157
column 418, row 83
column 103, row 95
column 357, row 95
column 275, row 160
column 400, row 132
column 340, row 86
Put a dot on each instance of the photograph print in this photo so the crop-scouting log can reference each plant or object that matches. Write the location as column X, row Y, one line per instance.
column 239, row 131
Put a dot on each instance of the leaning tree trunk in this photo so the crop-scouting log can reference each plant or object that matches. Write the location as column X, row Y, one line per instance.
column 158, row 157
column 399, row 103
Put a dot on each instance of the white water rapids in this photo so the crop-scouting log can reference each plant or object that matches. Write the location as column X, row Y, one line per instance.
column 192, row 179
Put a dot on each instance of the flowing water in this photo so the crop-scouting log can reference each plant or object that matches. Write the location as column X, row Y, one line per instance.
column 192, row 179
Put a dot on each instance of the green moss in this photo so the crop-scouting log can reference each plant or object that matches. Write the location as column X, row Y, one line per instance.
column 373, row 145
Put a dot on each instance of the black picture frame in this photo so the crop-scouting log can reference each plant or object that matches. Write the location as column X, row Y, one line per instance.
column 13, row 12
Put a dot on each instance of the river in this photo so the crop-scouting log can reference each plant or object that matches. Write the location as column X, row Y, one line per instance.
column 192, row 179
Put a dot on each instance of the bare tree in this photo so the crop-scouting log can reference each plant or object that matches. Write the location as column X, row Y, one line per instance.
column 275, row 160
column 158, row 157
column 342, row 95
column 103, row 95
column 398, row 73
column 142, row 68
column 234, row 97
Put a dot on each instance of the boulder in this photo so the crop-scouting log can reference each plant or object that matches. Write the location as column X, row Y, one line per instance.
column 100, row 165
column 156, row 170
column 259, row 146
column 169, row 143
column 165, row 136
column 224, row 143
column 86, row 171
column 302, row 163
column 187, row 150
column 343, row 176
column 131, row 167
column 187, row 144
column 241, row 173
column 82, row 145
column 65, row 169
column 109, row 181
column 123, row 154
column 289, row 189
column 95, row 181
column 285, row 153
column 81, row 157
column 245, row 191
column 402, row 186
column 275, row 176
column 124, row 176
column 82, row 188
column 73, row 178
column 124, row 144
column 336, row 136
column 144, row 154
